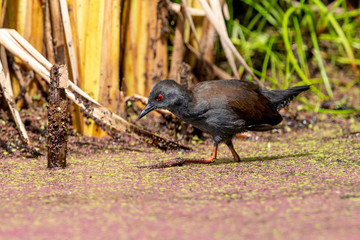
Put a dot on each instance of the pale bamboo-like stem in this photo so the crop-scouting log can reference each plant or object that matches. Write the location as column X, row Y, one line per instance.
column 69, row 40
column 208, row 39
column 47, row 33
column 214, row 22
column 216, row 8
column 191, row 22
column 217, row 71
column 156, row 52
column 193, row 11
column 14, row 43
column 23, row 82
column 5, row 84
column 3, row 11
column 15, row 48
column 57, row 32
column 178, row 49
column 225, row 9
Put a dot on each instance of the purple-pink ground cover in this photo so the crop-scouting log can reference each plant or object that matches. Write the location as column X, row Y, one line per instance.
column 297, row 185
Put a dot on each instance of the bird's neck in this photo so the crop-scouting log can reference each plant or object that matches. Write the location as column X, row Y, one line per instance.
column 183, row 108
column 188, row 109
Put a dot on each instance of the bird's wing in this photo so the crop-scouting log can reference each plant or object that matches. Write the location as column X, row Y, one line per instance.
column 251, row 105
column 243, row 97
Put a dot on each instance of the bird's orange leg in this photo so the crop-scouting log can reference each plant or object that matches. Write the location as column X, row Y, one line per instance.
column 234, row 153
column 205, row 160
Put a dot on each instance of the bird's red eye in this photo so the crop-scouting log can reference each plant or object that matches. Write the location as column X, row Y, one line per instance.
column 159, row 97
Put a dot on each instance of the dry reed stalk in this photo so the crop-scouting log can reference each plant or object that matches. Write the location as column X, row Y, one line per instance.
column 207, row 41
column 73, row 54
column 92, row 25
column 193, row 11
column 17, row 18
column 109, row 93
column 217, row 71
column 133, row 63
column 26, row 16
column 110, row 57
column 80, row 15
column 18, row 46
column 178, row 49
column 35, row 36
column 187, row 14
column 2, row 12
column 98, row 36
column 202, row 69
column 216, row 9
column 24, row 83
column 226, row 40
column 77, row 12
column 5, row 84
column 69, row 41
column 145, row 45
column 192, row 29
column 49, row 47
column 157, row 54
column 57, row 32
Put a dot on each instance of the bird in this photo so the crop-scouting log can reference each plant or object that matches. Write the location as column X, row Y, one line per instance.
column 222, row 108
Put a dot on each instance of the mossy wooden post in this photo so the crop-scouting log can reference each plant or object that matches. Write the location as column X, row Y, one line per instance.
column 57, row 117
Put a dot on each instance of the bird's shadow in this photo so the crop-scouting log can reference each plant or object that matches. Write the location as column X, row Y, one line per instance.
column 182, row 161
column 265, row 158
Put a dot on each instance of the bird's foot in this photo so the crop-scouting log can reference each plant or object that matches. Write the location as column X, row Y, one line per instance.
column 205, row 160
column 237, row 158
column 234, row 153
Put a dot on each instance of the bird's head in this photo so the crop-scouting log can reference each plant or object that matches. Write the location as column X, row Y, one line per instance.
column 166, row 94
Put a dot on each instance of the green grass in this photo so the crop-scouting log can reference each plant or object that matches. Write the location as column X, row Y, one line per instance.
column 290, row 39
column 290, row 43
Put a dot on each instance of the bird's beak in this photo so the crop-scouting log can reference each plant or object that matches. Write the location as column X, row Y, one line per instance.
column 146, row 110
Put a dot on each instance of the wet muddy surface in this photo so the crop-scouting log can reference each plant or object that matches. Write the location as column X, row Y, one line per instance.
column 299, row 182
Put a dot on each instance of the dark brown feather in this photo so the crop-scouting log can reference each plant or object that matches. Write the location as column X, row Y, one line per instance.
column 243, row 97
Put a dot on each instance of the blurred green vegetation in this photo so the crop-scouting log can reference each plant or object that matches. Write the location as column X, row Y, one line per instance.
column 289, row 43
column 286, row 40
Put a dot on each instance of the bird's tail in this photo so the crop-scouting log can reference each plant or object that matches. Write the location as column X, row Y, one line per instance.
column 281, row 98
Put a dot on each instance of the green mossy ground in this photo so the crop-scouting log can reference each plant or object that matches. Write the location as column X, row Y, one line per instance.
column 303, row 184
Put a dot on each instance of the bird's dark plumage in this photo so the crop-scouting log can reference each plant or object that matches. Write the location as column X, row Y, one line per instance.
column 222, row 107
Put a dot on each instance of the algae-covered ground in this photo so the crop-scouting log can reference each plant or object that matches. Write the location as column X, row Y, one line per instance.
column 299, row 184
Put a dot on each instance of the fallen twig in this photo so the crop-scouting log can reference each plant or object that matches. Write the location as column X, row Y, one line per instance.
column 7, row 91
column 18, row 46
column 193, row 11
column 23, row 82
column 144, row 100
